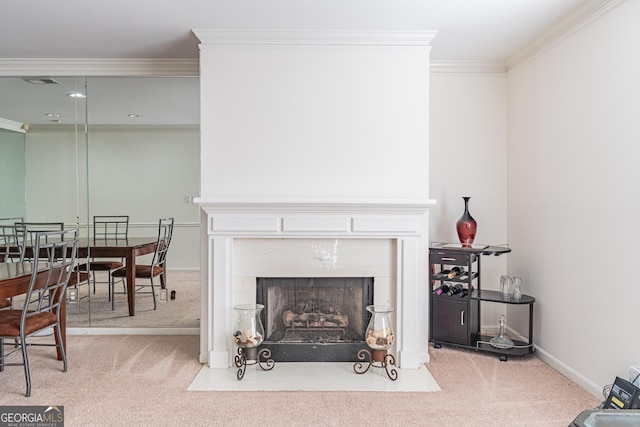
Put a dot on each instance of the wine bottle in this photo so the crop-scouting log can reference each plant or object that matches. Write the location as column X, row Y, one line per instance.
column 455, row 271
column 442, row 289
column 455, row 289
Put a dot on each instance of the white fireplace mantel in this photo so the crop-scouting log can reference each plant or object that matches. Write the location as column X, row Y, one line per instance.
column 403, row 221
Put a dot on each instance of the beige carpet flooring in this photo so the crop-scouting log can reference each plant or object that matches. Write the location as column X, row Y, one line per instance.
column 143, row 381
column 183, row 311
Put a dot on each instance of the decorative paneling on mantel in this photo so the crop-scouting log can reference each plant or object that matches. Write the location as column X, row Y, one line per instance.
column 291, row 218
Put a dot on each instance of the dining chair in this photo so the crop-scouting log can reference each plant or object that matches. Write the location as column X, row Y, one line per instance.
column 153, row 270
column 106, row 227
column 42, row 303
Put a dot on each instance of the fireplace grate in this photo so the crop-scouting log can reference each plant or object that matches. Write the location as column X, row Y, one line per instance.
column 315, row 319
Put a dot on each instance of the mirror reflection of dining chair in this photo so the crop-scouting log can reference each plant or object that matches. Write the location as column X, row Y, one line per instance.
column 11, row 221
column 42, row 302
column 153, row 270
column 27, row 232
column 105, row 228
column 11, row 250
column 11, row 243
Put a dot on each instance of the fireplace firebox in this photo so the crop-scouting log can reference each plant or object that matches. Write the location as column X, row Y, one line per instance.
column 319, row 319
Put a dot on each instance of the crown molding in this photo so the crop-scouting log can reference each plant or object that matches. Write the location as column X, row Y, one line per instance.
column 462, row 67
column 11, row 125
column 580, row 17
column 99, row 67
column 315, row 37
column 72, row 128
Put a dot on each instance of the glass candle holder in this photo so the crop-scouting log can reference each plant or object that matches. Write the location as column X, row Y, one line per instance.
column 379, row 337
column 248, row 335
column 379, row 334
column 248, row 331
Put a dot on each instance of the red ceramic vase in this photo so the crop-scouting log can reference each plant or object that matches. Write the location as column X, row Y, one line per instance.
column 466, row 226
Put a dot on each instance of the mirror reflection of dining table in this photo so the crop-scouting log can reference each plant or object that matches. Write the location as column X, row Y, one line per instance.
column 14, row 281
column 129, row 249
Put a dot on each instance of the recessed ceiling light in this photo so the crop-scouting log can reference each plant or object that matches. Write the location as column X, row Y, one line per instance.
column 76, row 95
column 52, row 115
column 134, row 116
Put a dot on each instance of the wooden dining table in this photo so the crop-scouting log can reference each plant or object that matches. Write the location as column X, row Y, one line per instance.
column 14, row 281
column 129, row 249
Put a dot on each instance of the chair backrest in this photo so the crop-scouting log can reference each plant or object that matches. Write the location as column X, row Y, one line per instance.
column 12, row 220
column 11, row 243
column 41, row 226
column 110, row 226
column 165, row 233
column 27, row 232
column 51, row 272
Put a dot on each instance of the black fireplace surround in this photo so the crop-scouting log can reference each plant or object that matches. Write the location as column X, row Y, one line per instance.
column 319, row 319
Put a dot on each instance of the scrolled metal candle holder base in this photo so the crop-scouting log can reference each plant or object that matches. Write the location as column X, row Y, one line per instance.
column 251, row 356
column 377, row 359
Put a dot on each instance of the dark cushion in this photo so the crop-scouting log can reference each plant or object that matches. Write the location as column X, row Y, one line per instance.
column 77, row 278
column 100, row 266
column 10, row 322
column 143, row 271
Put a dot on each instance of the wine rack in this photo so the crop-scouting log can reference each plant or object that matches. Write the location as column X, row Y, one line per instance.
column 455, row 314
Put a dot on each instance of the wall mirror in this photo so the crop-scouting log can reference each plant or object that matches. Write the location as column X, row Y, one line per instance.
column 75, row 147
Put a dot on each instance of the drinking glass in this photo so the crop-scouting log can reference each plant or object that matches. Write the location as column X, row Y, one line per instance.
column 505, row 286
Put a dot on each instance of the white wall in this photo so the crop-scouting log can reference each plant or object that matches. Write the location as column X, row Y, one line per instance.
column 573, row 198
column 141, row 172
column 468, row 141
column 315, row 121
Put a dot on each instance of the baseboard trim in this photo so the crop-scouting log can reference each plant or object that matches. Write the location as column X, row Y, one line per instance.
column 133, row 331
column 580, row 380
column 589, row 386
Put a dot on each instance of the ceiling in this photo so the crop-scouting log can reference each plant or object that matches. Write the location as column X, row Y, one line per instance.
column 109, row 101
column 468, row 30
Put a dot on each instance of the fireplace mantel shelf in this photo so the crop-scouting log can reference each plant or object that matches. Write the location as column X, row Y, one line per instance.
column 313, row 204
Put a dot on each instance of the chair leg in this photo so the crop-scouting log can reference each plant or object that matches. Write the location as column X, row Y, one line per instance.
column 1, row 355
column 112, row 293
column 25, row 361
column 63, row 351
column 109, row 284
column 153, row 293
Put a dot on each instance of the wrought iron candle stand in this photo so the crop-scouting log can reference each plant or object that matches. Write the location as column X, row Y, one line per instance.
column 248, row 335
column 379, row 337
